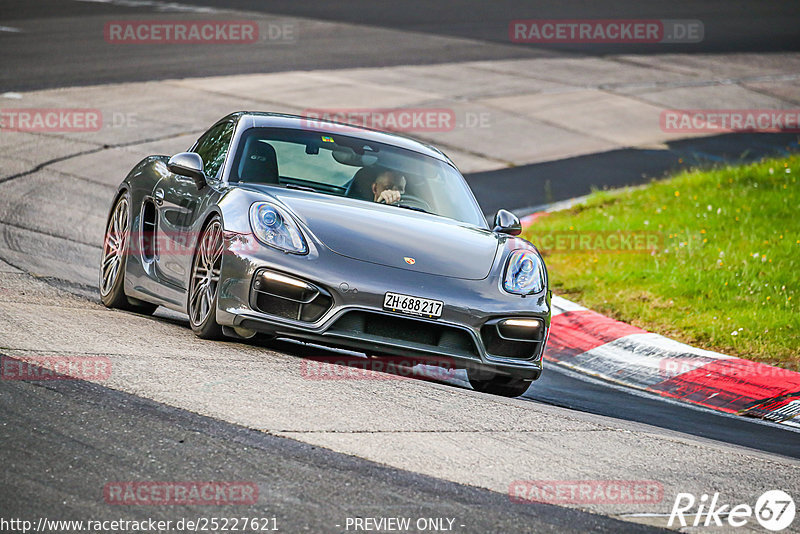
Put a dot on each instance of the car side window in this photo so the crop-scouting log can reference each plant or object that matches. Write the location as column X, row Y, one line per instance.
column 213, row 146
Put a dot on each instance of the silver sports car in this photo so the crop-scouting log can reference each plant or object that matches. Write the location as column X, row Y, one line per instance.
column 319, row 231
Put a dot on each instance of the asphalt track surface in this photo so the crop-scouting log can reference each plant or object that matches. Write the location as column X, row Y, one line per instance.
column 63, row 440
column 617, row 168
column 568, row 389
column 61, row 43
column 730, row 26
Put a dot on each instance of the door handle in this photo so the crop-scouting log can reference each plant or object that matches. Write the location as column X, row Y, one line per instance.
column 159, row 196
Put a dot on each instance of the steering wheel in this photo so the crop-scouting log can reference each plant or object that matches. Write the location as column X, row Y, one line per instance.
column 413, row 201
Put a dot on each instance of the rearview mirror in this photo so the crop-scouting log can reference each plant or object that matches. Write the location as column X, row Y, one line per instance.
column 506, row 222
column 188, row 164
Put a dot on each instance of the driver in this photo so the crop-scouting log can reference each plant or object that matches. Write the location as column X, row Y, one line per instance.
column 388, row 187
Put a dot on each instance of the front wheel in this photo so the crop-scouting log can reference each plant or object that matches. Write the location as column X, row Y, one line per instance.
column 204, row 284
column 112, row 266
column 504, row 386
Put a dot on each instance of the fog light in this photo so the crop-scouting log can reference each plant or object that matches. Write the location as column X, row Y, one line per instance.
column 521, row 329
column 282, row 279
column 285, row 287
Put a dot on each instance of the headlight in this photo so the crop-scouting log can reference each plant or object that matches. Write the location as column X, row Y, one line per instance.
column 273, row 226
column 524, row 273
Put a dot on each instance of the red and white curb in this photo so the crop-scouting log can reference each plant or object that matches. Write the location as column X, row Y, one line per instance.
column 591, row 343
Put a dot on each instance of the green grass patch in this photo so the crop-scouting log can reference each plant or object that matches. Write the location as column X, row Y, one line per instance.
column 715, row 260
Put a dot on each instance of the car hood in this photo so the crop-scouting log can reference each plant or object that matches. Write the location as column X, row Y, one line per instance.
column 395, row 237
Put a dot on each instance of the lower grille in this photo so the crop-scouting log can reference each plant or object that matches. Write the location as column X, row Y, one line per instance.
column 432, row 336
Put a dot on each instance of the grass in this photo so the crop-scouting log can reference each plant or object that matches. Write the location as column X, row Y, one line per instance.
column 724, row 273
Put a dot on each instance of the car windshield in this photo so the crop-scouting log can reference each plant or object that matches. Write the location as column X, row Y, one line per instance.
column 347, row 166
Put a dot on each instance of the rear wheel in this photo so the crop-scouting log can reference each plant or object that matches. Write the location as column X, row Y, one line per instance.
column 204, row 284
column 112, row 266
column 504, row 386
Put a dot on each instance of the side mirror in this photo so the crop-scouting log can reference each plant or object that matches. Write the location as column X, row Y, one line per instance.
column 188, row 164
column 506, row 222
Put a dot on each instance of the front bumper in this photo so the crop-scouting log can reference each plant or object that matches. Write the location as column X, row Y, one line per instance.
column 349, row 313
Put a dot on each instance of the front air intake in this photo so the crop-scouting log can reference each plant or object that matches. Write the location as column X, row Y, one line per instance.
column 275, row 293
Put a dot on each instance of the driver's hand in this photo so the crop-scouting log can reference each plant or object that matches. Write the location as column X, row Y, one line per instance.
column 389, row 196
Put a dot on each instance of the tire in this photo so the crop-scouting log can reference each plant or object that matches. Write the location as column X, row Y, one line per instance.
column 501, row 385
column 201, row 302
column 115, row 256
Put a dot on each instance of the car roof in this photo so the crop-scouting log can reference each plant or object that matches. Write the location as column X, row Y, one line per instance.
column 262, row 119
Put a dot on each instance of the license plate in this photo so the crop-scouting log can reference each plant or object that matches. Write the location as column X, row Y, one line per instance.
column 413, row 305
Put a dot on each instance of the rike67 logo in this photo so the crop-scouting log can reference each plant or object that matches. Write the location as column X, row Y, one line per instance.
column 774, row 510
